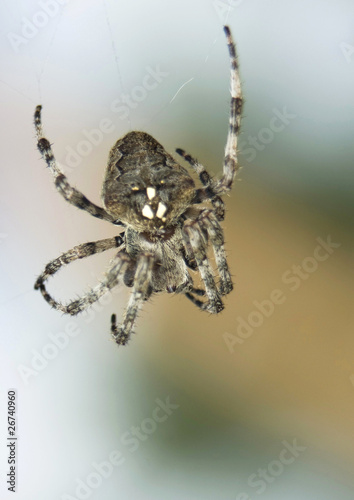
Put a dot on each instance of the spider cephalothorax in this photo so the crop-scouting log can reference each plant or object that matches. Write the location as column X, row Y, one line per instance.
column 166, row 229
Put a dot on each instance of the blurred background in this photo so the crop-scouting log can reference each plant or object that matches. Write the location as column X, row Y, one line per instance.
column 257, row 401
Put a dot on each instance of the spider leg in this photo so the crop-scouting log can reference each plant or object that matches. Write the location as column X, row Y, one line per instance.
column 188, row 255
column 231, row 165
column 193, row 235
column 195, row 301
column 141, row 291
column 69, row 193
column 230, row 159
column 206, row 180
column 79, row 252
column 197, row 291
column 208, row 222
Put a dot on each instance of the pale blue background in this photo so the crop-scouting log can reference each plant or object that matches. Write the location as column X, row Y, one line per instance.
column 292, row 378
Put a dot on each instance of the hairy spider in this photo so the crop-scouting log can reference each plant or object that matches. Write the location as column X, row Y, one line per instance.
column 154, row 199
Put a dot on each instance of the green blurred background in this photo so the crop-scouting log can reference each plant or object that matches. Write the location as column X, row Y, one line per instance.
column 240, row 399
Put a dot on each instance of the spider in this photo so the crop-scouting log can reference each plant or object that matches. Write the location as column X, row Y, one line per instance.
column 155, row 201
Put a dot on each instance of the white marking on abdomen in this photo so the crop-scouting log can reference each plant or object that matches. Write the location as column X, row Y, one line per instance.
column 161, row 210
column 147, row 212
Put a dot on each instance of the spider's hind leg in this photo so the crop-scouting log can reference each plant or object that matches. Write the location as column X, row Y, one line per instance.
column 195, row 238
column 78, row 252
column 194, row 300
column 141, row 291
column 209, row 223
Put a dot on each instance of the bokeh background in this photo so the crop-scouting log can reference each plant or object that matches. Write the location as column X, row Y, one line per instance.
column 238, row 402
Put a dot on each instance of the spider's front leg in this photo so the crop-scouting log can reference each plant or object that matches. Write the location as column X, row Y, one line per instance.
column 206, row 180
column 70, row 194
column 231, row 166
column 230, row 160
column 141, row 291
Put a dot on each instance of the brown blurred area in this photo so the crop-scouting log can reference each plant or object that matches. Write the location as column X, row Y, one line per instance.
column 292, row 374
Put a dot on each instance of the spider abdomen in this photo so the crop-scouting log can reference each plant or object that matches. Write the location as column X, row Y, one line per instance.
column 144, row 186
